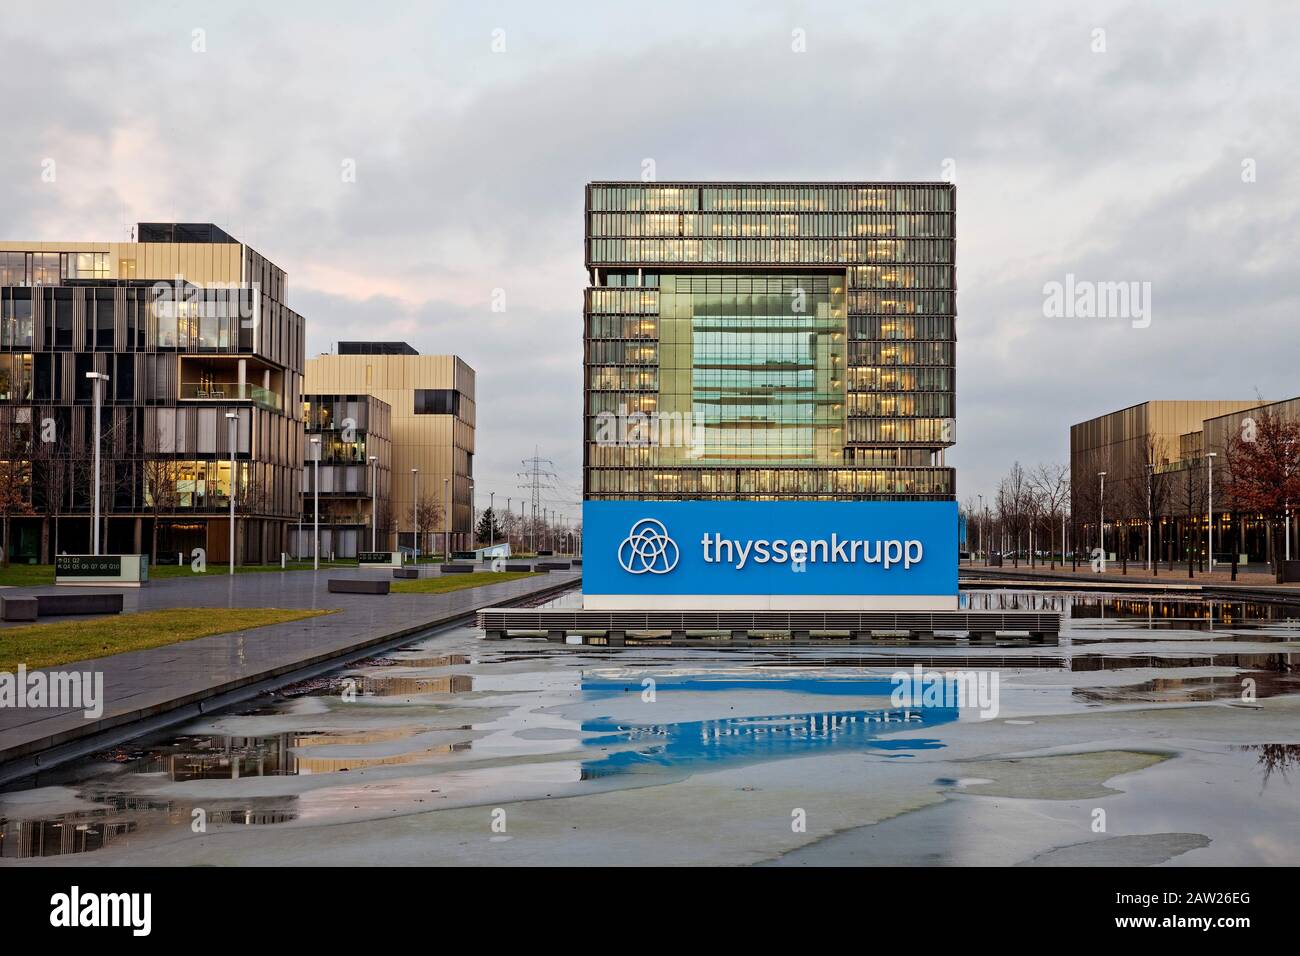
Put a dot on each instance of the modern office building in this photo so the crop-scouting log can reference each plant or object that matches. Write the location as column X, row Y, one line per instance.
column 188, row 325
column 1175, row 438
column 769, row 341
column 349, row 436
column 431, row 427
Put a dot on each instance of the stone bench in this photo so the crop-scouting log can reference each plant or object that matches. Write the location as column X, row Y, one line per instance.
column 406, row 572
column 522, row 567
column 18, row 609
column 358, row 586
column 456, row 568
column 552, row 565
column 56, row 604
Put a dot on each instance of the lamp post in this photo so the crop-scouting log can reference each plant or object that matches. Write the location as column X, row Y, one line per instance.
column 472, row 515
column 492, row 531
column 315, row 510
column 1101, row 518
column 374, row 502
column 415, row 512
column 97, row 380
column 1286, row 513
column 446, row 532
column 979, row 521
column 231, row 419
column 1209, row 517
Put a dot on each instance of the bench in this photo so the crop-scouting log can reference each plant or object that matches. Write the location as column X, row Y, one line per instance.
column 456, row 568
column 358, row 586
column 521, row 567
column 55, row 604
column 406, row 572
column 552, row 565
column 18, row 609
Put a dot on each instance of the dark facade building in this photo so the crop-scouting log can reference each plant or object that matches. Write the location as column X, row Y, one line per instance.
column 188, row 325
column 769, row 340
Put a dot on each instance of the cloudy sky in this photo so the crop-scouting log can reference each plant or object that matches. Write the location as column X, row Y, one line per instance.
column 1147, row 143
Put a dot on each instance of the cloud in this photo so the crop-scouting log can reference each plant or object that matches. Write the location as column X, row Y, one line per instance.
column 1123, row 165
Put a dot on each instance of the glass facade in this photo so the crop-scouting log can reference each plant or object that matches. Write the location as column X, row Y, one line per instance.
column 753, row 341
column 187, row 329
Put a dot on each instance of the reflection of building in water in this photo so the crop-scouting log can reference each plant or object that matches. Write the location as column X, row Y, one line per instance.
column 121, row 815
column 23, row 839
column 1013, row 601
column 399, row 686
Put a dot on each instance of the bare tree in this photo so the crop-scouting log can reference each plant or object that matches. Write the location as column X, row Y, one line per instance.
column 427, row 518
column 162, row 496
column 1191, row 501
column 1013, row 505
column 1052, row 482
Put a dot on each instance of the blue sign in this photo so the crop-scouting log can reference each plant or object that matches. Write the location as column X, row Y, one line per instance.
column 769, row 547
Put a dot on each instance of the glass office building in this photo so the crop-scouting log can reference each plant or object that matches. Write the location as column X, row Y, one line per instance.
column 189, row 325
column 765, row 341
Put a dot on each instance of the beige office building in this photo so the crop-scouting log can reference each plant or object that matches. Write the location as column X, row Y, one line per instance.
column 431, row 428
column 1175, row 438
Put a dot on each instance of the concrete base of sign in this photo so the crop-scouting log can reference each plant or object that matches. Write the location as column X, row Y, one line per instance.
column 761, row 628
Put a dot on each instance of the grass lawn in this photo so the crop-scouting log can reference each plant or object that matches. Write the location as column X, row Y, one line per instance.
column 27, row 575
column 44, row 645
column 438, row 583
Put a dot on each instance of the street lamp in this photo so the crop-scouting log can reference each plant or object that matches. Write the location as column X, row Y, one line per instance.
column 1209, row 517
column 1101, row 518
column 231, row 419
column 97, row 384
column 446, row 524
column 374, row 502
column 492, row 529
column 315, row 517
column 415, row 513
column 979, row 521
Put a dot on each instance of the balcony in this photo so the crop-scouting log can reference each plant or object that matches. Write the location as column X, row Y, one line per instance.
column 229, row 392
column 230, row 379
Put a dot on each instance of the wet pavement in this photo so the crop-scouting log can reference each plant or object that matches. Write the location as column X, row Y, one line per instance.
column 1161, row 731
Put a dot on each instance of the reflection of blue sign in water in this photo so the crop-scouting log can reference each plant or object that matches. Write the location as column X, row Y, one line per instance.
column 712, row 744
column 770, row 547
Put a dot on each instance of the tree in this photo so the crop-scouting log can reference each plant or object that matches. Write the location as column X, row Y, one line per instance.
column 15, row 475
column 161, row 494
column 1191, row 500
column 1052, row 482
column 1262, row 472
column 425, row 519
column 488, row 530
column 52, row 470
column 385, row 523
column 1014, row 505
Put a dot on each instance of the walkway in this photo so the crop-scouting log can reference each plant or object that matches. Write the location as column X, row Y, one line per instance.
column 144, row 683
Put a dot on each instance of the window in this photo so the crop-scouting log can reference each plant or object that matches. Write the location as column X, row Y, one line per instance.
column 437, row 401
